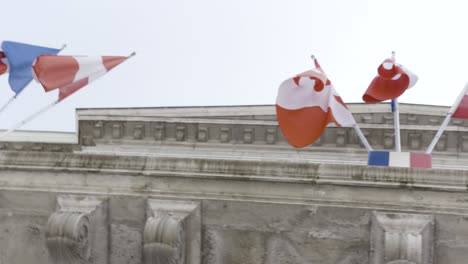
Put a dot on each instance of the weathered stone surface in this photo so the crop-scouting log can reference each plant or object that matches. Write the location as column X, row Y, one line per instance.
column 78, row 231
column 257, row 199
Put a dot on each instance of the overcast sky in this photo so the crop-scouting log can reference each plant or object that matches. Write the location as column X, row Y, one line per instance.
column 215, row 52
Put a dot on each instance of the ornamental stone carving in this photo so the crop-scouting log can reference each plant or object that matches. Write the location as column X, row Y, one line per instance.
column 401, row 238
column 248, row 135
column 388, row 140
column 117, row 131
column 414, row 141
column 341, row 138
column 139, row 131
column 180, row 133
column 202, row 134
column 172, row 233
column 159, row 132
column 225, row 134
column 270, row 135
column 98, row 131
column 77, row 232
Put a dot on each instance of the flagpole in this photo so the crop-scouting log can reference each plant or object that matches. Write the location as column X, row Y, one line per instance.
column 447, row 120
column 13, row 98
column 355, row 127
column 31, row 117
column 396, row 117
column 362, row 137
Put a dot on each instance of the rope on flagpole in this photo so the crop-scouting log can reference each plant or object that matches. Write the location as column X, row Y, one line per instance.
column 31, row 117
column 447, row 120
column 396, row 117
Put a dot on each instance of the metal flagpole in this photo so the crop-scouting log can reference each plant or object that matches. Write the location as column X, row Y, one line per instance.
column 31, row 117
column 447, row 120
column 362, row 137
column 396, row 117
column 12, row 99
column 356, row 127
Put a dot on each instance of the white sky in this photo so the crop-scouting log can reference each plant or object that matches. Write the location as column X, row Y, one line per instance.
column 219, row 52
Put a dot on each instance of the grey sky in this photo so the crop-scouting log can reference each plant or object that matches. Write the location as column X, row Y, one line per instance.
column 212, row 52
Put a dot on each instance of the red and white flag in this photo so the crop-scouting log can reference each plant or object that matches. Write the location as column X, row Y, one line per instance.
column 70, row 73
column 392, row 81
column 306, row 104
column 460, row 107
column 3, row 63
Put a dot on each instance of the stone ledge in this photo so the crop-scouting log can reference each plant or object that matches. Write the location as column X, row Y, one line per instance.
column 245, row 170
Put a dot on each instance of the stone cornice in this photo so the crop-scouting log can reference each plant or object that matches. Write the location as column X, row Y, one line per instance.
column 239, row 170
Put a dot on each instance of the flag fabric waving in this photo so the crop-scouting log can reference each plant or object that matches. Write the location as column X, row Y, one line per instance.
column 392, row 81
column 400, row 159
column 306, row 104
column 20, row 58
column 70, row 73
column 460, row 108
column 3, row 63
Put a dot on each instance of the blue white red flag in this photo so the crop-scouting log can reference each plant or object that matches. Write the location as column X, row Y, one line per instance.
column 392, row 81
column 70, row 73
column 20, row 57
column 400, row 159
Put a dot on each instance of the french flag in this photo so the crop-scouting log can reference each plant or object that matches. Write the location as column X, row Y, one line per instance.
column 392, row 81
column 306, row 104
column 70, row 73
column 400, row 159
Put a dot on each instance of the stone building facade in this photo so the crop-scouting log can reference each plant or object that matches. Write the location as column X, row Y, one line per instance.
column 220, row 185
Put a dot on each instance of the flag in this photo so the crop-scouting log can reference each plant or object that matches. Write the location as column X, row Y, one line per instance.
column 460, row 108
column 70, row 73
column 391, row 81
column 306, row 104
column 20, row 58
column 3, row 63
column 400, row 159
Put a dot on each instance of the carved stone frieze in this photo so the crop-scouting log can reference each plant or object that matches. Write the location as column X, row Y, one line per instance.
column 139, row 131
column 388, row 119
column 412, row 120
column 225, row 134
column 77, row 231
column 270, row 135
column 202, row 134
column 117, row 130
column 464, row 143
column 248, row 135
column 172, row 232
column 341, row 138
column 414, row 141
column 442, row 143
column 98, row 131
column 401, row 238
column 159, row 132
column 389, row 140
column 181, row 131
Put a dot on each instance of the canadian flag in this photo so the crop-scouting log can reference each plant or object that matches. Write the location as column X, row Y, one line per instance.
column 306, row 104
column 3, row 63
column 70, row 73
column 392, row 81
